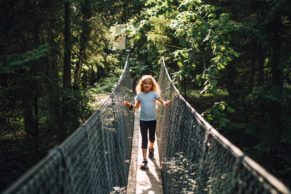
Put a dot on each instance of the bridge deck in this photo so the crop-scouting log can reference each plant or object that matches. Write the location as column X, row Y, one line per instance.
column 140, row 181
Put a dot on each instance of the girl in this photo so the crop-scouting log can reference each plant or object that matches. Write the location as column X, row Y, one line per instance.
column 148, row 92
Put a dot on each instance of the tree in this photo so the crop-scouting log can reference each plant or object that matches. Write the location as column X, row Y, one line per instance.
column 230, row 58
column 68, row 45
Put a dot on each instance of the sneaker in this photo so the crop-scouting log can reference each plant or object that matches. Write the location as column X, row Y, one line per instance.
column 144, row 165
column 151, row 153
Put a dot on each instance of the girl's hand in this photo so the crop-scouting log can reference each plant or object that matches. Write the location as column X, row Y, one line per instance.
column 167, row 103
column 126, row 103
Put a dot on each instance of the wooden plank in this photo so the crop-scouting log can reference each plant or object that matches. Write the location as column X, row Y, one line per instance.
column 143, row 181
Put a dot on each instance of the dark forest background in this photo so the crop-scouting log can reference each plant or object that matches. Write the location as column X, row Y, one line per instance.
column 55, row 56
column 229, row 58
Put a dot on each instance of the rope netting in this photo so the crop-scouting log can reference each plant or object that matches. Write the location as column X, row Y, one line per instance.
column 195, row 158
column 95, row 158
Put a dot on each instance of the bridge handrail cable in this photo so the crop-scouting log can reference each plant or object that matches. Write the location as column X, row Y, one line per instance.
column 94, row 159
column 271, row 183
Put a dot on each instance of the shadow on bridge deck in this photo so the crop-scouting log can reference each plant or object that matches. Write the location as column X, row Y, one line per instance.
column 140, row 181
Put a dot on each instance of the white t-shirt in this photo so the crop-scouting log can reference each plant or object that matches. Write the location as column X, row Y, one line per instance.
column 148, row 105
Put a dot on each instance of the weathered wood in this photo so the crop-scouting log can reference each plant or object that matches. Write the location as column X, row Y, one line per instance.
column 143, row 181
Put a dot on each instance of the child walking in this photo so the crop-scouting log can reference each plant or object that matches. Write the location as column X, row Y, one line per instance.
column 148, row 93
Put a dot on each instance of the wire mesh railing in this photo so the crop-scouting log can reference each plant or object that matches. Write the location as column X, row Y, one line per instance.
column 94, row 159
column 195, row 158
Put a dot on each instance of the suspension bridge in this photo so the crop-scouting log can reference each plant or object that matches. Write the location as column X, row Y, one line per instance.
column 102, row 155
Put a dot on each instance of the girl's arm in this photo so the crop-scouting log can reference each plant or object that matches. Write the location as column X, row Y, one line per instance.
column 163, row 102
column 136, row 104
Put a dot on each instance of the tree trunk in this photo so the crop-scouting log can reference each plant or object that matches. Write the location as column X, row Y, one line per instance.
column 53, row 87
column 253, row 69
column 275, row 129
column 31, row 108
column 84, row 37
column 66, row 73
column 261, row 75
column 67, row 47
column 30, row 113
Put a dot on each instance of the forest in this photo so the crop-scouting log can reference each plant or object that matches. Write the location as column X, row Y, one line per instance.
column 229, row 58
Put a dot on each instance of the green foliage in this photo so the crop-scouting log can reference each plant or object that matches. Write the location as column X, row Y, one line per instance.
column 35, row 98
column 194, row 34
column 237, row 55
column 217, row 114
column 14, row 62
column 181, row 174
column 106, row 85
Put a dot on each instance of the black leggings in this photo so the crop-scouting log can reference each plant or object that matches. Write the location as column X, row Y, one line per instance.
column 146, row 126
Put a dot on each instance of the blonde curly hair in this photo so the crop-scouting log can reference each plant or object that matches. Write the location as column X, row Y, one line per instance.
column 154, row 83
